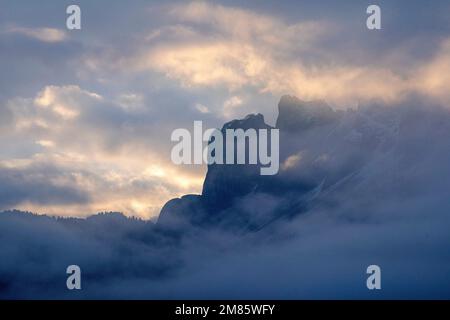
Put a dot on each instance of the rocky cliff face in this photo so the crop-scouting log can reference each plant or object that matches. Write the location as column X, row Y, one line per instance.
column 226, row 184
column 326, row 157
column 223, row 184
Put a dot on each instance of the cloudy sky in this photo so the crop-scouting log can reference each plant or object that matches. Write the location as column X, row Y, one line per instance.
column 86, row 115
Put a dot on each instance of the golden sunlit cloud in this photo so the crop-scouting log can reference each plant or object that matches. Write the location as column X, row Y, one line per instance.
column 115, row 180
column 41, row 34
column 242, row 49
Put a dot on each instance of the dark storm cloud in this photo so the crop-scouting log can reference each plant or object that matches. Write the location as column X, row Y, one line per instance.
column 34, row 184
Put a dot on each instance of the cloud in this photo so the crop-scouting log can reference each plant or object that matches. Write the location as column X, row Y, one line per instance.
column 201, row 108
column 391, row 211
column 50, row 35
column 292, row 161
column 433, row 78
column 230, row 106
column 210, row 46
column 39, row 184
column 103, row 147
column 245, row 25
column 131, row 102
column 224, row 46
column 84, row 124
column 65, row 101
column 113, row 98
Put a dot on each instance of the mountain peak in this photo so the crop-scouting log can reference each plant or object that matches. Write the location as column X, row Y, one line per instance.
column 255, row 121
